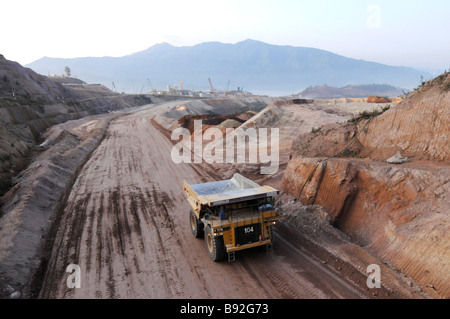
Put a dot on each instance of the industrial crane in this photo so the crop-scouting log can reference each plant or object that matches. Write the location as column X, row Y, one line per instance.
column 212, row 88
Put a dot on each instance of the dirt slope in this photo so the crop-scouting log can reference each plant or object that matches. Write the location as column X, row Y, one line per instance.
column 23, row 84
column 31, row 103
column 398, row 213
column 418, row 126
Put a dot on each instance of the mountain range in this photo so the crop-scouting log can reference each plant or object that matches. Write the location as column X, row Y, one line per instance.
column 255, row 66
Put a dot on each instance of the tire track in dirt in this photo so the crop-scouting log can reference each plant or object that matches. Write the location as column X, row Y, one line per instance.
column 329, row 282
column 99, row 234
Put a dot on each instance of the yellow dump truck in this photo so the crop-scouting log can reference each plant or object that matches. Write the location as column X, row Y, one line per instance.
column 232, row 215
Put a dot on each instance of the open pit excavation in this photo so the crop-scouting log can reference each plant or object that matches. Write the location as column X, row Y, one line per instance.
column 218, row 158
column 124, row 222
column 125, row 225
column 106, row 197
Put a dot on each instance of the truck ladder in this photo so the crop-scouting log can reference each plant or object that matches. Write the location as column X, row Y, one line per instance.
column 269, row 247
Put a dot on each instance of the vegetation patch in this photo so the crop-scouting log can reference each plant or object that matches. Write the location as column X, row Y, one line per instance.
column 316, row 130
column 365, row 115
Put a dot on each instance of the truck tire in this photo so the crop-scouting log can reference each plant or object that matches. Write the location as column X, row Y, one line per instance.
column 214, row 245
column 196, row 225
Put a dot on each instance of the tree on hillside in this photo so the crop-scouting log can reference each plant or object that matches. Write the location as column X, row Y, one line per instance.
column 67, row 70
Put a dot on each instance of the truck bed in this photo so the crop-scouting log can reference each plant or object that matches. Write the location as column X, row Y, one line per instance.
column 236, row 189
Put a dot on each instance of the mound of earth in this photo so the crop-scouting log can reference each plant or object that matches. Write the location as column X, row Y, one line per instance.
column 228, row 120
column 378, row 99
column 419, row 126
column 230, row 123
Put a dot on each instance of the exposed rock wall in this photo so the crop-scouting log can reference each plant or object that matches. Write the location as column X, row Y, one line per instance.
column 398, row 213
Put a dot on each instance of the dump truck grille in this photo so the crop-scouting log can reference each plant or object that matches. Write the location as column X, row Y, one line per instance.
column 247, row 234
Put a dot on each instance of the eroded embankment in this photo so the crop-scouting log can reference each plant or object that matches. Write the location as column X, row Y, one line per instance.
column 314, row 225
column 30, row 212
column 397, row 213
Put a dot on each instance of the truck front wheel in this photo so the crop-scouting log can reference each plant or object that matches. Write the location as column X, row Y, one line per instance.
column 214, row 245
column 196, row 225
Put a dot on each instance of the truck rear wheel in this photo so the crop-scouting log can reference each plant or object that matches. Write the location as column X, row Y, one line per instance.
column 214, row 245
column 196, row 225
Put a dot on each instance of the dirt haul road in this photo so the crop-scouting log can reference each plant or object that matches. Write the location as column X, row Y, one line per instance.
column 126, row 225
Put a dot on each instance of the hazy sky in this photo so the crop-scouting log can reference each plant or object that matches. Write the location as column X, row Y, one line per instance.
column 400, row 32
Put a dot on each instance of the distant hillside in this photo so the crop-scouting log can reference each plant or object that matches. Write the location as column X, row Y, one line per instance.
column 350, row 91
column 255, row 66
column 23, row 85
